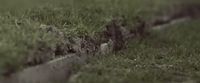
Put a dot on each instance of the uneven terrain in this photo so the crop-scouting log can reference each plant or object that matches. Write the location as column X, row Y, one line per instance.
column 109, row 41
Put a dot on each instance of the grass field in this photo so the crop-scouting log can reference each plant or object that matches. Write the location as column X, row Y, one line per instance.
column 169, row 55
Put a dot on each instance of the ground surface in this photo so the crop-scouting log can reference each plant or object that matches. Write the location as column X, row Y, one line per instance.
column 20, row 21
column 167, row 56
column 163, row 56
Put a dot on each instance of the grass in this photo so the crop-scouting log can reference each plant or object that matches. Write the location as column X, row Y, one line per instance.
column 21, row 36
column 20, row 22
column 16, row 42
column 169, row 56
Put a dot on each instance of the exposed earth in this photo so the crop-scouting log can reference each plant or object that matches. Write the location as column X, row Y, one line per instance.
column 162, row 49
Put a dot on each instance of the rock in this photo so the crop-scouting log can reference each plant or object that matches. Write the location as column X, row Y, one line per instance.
column 106, row 48
column 56, row 71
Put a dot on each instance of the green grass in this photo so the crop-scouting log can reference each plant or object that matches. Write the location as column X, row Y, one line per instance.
column 167, row 56
column 17, row 42
column 78, row 17
column 73, row 17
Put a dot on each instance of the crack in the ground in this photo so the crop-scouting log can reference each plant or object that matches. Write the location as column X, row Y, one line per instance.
column 111, row 40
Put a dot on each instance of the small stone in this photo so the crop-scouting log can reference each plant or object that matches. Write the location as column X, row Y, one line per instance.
column 104, row 48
